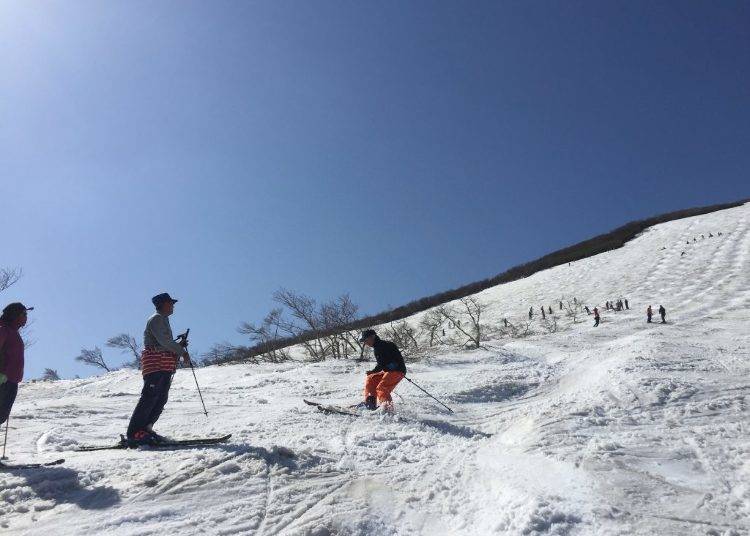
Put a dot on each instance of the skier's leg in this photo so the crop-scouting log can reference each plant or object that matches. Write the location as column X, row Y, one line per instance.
column 386, row 385
column 165, row 383
column 8, row 392
column 150, row 395
column 371, row 383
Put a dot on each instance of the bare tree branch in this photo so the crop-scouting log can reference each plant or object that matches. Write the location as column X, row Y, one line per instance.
column 93, row 358
column 127, row 343
column 50, row 375
column 8, row 277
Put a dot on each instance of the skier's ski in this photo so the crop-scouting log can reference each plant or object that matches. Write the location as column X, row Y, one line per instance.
column 6, row 466
column 327, row 408
column 195, row 442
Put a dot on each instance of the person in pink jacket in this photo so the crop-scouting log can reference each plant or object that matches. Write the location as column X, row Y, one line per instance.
column 11, row 355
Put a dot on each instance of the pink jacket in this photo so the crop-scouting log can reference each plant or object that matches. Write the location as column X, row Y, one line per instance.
column 11, row 354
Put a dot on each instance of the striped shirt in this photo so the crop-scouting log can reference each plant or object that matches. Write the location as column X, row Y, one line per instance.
column 157, row 360
column 160, row 350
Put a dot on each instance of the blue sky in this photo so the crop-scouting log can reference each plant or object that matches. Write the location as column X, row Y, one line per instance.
column 220, row 150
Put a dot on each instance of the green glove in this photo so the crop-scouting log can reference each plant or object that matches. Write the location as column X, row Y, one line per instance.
column 3, row 378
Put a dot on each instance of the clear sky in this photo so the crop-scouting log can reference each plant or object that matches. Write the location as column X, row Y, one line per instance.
column 219, row 150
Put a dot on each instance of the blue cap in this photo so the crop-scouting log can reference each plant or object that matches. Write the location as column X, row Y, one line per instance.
column 164, row 297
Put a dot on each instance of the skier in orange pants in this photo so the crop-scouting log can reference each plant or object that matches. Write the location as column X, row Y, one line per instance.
column 390, row 370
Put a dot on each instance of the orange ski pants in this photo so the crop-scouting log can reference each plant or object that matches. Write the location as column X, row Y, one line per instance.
column 380, row 384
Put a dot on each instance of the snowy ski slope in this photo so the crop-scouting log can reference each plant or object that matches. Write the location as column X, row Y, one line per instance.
column 629, row 428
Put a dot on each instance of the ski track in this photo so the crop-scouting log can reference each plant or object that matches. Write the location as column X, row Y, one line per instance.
column 629, row 428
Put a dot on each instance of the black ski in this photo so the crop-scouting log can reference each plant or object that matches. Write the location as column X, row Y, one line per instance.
column 327, row 408
column 4, row 466
column 195, row 442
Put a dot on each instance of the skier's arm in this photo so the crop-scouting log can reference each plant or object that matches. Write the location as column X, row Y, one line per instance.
column 163, row 336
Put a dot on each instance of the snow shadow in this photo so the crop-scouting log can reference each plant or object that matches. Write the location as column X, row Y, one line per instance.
column 452, row 429
column 62, row 485
column 277, row 456
column 498, row 392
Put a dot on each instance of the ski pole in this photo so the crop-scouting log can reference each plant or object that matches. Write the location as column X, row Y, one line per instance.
column 183, row 337
column 428, row 394
column 5, row 442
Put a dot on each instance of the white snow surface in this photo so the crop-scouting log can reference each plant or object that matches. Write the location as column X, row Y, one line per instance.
column 628, row 428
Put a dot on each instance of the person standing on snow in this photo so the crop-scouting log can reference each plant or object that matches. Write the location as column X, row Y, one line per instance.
column 158, row 364
column 663, row 314
column 596, row 317
column 649, row 314
column 14, row 317
column 389, row 371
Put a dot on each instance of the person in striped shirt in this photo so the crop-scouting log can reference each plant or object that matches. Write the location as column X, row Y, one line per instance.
column 158, row 364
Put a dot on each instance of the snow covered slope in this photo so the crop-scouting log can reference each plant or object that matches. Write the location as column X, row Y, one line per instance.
column 628, row 428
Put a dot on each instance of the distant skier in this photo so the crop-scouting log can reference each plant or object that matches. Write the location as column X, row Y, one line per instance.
column 550, row 309
column 649, row 314
column 561, row 306
column 158, row 364
column 505, row 323
column 543, row 315
column 588, row 311
column 626, row 304
column 14, row 317
column 663, row 314
column 531, row 312
column 596, row 317
column 389, row 371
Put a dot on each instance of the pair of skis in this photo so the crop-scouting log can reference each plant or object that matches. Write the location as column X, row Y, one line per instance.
column 172, row 443
column 328, row 408
column 122, row 445
column 11, row 466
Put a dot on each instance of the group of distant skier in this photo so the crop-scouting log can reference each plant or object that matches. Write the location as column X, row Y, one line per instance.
column 620, row 304
column 695, row 239
column 159, row 359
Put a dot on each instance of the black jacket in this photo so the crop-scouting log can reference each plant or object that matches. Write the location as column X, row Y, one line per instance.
column 388, row 357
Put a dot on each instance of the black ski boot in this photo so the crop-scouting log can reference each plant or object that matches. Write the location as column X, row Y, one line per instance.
column 371, row 403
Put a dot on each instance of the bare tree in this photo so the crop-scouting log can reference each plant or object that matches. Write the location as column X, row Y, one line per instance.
column 306, row 319
column 432, row 324
column 333, row 315
column 516, row 331
column 573, row 309
column 8, row 277
column 225, row 353
column 93, row 358
column 127, row 343
column 403, row 334
column 317, row 328
column 473, row 309
column 265, row 336
column 50, row 375
column 550, row 323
